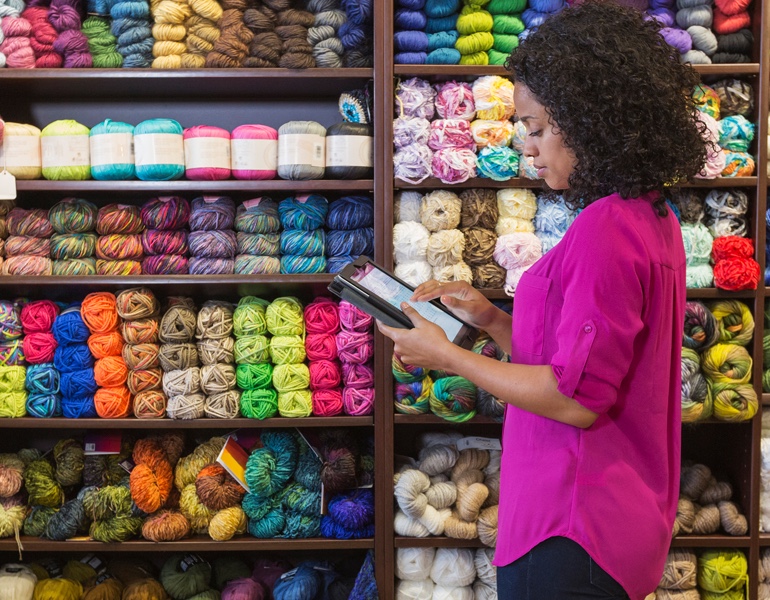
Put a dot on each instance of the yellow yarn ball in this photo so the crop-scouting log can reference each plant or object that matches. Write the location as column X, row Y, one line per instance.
column 291, row 377
column 58, row 589
column 192, row 508
column 12, row 379
column 13, row 404
column 21, row 151
column 78, row 571
column 66, row 151
column 284, row 316
column 722, row 571
column 295, row 404
column 473, row 20
column 11, row 520
column 475, row 43
column 227, row 523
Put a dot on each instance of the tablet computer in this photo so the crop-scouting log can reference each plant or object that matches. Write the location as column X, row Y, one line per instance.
column 380, row 294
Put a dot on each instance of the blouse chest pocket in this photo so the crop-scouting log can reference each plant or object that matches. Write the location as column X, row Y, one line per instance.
column 529, row 308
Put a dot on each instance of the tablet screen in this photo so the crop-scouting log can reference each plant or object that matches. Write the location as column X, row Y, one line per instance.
column 393, row 292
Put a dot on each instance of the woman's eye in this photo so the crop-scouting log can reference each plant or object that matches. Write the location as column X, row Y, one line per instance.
column 534, row 133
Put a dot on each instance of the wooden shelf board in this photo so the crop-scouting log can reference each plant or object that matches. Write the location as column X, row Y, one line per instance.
column 764, row 540
column 711, row 541
column 698, row 293
column 520, row 182
column 133, row 423
column 765, row 399
column 436, row 542
column 185, row 186
column 442, row 71
column 399, row 419
column 194, row 544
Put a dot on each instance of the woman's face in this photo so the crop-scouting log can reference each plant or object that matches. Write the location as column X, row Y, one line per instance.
column 544, row 143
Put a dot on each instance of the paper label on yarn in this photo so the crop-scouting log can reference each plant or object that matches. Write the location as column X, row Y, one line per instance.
column 7, row 186
column 190, row 560
column 314, row 443
column 50, row 566
column 205, row 152
column 253, row 203
column 158, row 149
column 96, row 563
column 302, row 198
column 14, row 569
column 288, row 574
column 301, row 149
column 103, row 577
column 233, row 459
column 20, row 151
column 65, row 151
column 254, row 155
column 349, row 151
column 112, row 149
column 102, row 442
column 481, row 443
column 127, row 465
column 210, row 199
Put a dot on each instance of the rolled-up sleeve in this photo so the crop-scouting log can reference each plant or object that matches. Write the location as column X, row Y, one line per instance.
column 604, row 277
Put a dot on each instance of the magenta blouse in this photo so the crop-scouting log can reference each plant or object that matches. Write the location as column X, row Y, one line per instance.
column 604, row 308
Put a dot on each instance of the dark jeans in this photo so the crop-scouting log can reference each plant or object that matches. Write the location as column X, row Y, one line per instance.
column 556, row 569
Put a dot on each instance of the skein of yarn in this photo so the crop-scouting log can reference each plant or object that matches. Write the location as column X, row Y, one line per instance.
column 301, row 150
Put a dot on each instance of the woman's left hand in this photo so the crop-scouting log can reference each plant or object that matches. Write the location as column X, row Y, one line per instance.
column 426, row 345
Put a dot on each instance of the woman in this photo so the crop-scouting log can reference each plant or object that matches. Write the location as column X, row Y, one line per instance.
column 591, row 439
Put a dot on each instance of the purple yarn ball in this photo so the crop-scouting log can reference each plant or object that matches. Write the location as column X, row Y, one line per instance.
column 678, row 38
column 243, row 589
column 664, row 16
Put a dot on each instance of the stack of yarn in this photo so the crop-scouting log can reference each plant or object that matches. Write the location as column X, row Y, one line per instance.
column 474, row 26
column 540, row 10
column 479, row 214
column 119, row 249
column 28, row 245
column 73, row 246
column 13, row 393
column 258, row 237
column 716, row 367
column 74, row 361
column 42, row 377
column 507, row 25
column 448, row 491
column 349, row 231
column 425, row 573
column 5, row 208
column 410, row 239
column 734, row 264
column 212, row 240
column 441, row 28
column 303, row 240
column 285, row 321
column 216, row 354
column 517, row 247
column 680, row 576
column 165, row 236
column 322, row 323
column 139, row 309
column 355, row 350
column 100, row 314
column 450, row 136
column 440, row 215
column 410, row 41
column 357, row 33
column 705, row 504
column 552, row 219
column 178, row 357
column 254, row 371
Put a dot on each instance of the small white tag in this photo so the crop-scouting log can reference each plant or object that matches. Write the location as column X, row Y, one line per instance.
column 7, row 186
column 481, row 443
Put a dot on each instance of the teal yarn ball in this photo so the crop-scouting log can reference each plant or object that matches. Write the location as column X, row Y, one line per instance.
column 256, row 508
column 497, row 163
column 292, row 264
column 269, row 469
column 443, row 56
column 736, row 133
column 112, row 151
column 453, row 398
column 152, row 136
column 269, row 526
column 183, row 576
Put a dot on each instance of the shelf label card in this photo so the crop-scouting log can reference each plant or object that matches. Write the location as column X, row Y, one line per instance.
column 480, row 443
column 7, row 186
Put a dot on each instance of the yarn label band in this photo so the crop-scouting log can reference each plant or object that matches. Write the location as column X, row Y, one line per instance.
column 257, row 155
column 349, row 151
column 159, row 149
column 481, row 443
column 65, row 151
column 112, row 149
column 301, row 149
column 202, row 153
column 20, row 151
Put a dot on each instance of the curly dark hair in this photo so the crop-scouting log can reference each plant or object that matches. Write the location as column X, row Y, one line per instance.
column 620, row 97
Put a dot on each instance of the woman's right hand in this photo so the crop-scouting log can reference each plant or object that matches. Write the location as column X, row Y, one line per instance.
column 463, row 300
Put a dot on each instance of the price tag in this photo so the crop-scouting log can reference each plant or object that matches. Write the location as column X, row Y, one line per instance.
column 481, row 443
column 7, row 186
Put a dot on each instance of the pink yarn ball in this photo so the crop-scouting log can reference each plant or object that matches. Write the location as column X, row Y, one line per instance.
column 358, row 402
column 254, row 150
column 358, row 375
column 243, row 589
column 322, row 316
column 321, row 346
column 353, row 318
column 354, row 346
column 324, row 374
column 327, row 403
column 207, row 153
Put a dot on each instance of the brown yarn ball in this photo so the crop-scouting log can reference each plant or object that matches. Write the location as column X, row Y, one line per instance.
column 680, row 572
column 141, row 356
column 178, row 322
column 11, row 475
column 490, row 276
column 733, row 522
column 233, row 44
column 216, row 489
column 173, row 444
column 292, row 26
column 143, row 380
column 179, row 356
column 487, row 526
column 130, row 570
column 694, row 480
column 150, row 404
column 479, row 245
column 458, row 529
column 479, row 208
column 108, row 588
column 685, row 515
column 166, row 526
column 141, row 331
column 707, row 520
column 716, row 492
column 145, row 589
column 137, row 303
column 264, row 51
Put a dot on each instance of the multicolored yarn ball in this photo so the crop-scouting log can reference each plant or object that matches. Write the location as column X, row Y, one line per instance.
column 701, row 330
column 118, row 267
column 697, row 401
column 73, row 215
column 119, row 219
column 497, row 163
column 211, row 213
column 166, row 213
column 415, row 98
column 33, row 222
column 350, row 212
column 306, row 212
column 258, row 215
column 453, row 398
column 734, row 402
column 452, row 165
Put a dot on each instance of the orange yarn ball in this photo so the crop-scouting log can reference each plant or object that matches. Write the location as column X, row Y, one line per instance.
column 152, row 478
column 141, row 356
column 166, row 526
column 110, row 371
column 112, row 402
column 99, row 312
column 142, row 331
column 106, row 344
column 150, row 404
column 216, row 489
column 145, row 589
column 143, row 380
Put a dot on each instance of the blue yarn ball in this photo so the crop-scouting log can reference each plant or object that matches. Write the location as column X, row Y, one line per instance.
column 441, row 8
column 331, row 529
column 497, row 163
column 412, row 4
column 304, row 584
column 442, row 39
column 78, row 383
column 301, row 526
column 410, row 58
column 78, row 408
column 410, row 41
column 173, row 135
column 353, row 242
column 533, row 19
column 269, row 526
column 72, row 357
column 44, row 405
column 42, row 379
column 358, row 11
column 409, row 20
column 303, row 243
column 767, row 275
column 350, row 212
column 351, row 35
column 112, row 170
column 335, row 264
column 547, row 6
column 435, row 25
column 100, row 8
column 443, row 56
column 292, row 264
column 69, row 327
column 130, row 10
column 303, row 212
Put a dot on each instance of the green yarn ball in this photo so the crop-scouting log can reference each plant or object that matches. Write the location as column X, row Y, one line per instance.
column 184, row 576
column 259, row 404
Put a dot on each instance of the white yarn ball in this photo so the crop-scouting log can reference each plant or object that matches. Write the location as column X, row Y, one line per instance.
column 517, row 250
column 408, row 527
column 442, row 494
column 410, row 242
column 507, row 225
column 445, row 248
column 414, row 272
column 440, row 210
column 17, row 582
column 519, row 203
column 457, row 272
column 414, row 564
column 485, row 570
column 512, row 278
column 482, row 591
column 442, row 592
column 435, row 520
column 415, row 590
column 406, row 206
column 453, row 567
column 410, row 492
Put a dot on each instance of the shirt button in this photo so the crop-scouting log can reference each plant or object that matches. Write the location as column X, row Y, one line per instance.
column 588, row 329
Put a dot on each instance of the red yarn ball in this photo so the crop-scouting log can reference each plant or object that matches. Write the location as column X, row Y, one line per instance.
column 732, row 246
column 322, row 316
column 38, row 316
column 39, row 347
column 735, row 274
